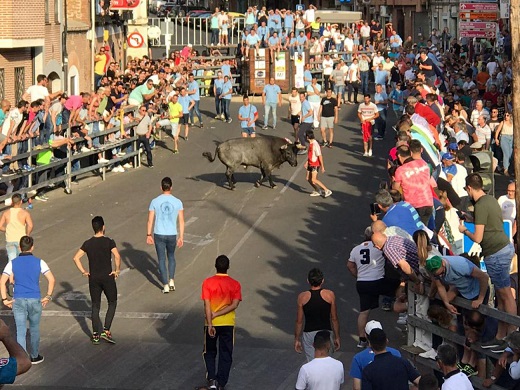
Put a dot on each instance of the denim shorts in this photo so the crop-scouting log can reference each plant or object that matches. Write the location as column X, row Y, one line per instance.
column 498, row 266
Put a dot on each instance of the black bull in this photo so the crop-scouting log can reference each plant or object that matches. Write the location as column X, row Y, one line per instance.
column 265, row 153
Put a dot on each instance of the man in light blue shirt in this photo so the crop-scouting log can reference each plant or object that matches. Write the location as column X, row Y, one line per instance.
column 271, row 97
column 214, row 27
column 194, row 92
column 288, row 22
column 187, row 104
column 381, row 101
column 306, row 120
column 274, row 46
column 217, row 91
column 263, row 33
column 247, row 115
column 314, row 98
column 301, row 42
column 227, row 93
column 307, row 76
column 163, row 214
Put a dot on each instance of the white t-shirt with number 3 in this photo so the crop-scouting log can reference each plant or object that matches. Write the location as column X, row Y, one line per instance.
column 369, row 261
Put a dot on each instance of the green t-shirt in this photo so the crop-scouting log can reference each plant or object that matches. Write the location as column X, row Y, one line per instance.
column 489, row 214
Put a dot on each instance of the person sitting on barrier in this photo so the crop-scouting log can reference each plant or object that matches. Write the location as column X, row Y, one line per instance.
column 252, row 41
column 506, row 372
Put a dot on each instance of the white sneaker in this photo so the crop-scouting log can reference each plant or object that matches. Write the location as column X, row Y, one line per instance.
column 84, row 149
column 430, row 354
column 166, row 289
column 102, row 160
column 172, row 285
column 223, row 117
column 402, row 320
column 327, row 193
column 315, row 193
column 370, row 153
column 365, row 154
column 119, row 169
column 128, row 166
column 121, row 154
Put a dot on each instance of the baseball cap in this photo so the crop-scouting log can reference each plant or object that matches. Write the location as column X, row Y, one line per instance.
column 371, row 325
column 433, row 263
column 447, row 156
column 453, row 146
column 476, row 145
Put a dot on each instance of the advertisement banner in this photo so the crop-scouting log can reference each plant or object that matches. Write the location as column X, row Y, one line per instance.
column 118, row 5
column 279, row 67
column 299, row 64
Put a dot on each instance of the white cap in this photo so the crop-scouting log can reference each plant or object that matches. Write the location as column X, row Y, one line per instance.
column 371, row 325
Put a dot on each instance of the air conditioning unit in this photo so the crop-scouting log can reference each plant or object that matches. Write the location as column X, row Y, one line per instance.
column 383, row 11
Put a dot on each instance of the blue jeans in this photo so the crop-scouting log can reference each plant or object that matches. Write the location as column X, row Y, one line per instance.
column 498, row 266
column 225, row 108
column 196, row 109
column 165, row 247
column 339, row 90
column 381, row 122
column 28, row 309
column 270, row 107
column 214, row 36
column 364, row 82
column 12, row 249
column 506, row 144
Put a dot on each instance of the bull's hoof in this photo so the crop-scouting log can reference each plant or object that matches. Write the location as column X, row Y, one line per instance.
column 257, row 184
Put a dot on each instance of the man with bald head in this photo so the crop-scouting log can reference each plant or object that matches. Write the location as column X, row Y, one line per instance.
column 400, row 252
column 5, row 107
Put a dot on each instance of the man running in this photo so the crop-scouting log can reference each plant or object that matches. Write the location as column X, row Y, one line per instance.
column 313, row 164
column 101, row 277
column 367, row 114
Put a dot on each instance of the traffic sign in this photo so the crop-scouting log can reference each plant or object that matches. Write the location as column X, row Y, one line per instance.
column 477, row 26
column 135, row 40
column 478, row 34
column 478, row 7
column 478, row 16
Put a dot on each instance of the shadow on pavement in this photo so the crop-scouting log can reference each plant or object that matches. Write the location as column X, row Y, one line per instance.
column 142, row 262
column 74, row 301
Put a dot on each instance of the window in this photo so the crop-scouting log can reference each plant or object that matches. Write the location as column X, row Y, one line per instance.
column 19, row 83
column 2, row 84
column 46, row 6
column 57, row 5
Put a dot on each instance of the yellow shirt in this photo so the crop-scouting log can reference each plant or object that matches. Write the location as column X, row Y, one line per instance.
column 175, row 110
column 99, row 65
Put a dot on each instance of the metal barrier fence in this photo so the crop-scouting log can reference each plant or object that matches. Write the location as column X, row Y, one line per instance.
column 180, row 31
column 416, row 323
column 62, row 168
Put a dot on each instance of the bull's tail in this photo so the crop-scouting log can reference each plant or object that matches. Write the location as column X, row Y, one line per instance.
column 209, row 157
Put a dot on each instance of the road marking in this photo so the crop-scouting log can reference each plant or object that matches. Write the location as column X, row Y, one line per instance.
column 198, row 240
column 248, row 234
column 190, row 221
column 296, row 172
column 86, row 314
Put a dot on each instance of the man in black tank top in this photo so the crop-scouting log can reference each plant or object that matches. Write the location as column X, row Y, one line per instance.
column 318, row 307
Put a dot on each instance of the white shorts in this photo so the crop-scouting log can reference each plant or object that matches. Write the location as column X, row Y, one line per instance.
column 327, row 122
column 175, row 129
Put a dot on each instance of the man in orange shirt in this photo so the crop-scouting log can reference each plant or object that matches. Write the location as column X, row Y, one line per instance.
column 221, row 295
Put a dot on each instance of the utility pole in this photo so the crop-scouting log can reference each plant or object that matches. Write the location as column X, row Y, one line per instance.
column 515, row 66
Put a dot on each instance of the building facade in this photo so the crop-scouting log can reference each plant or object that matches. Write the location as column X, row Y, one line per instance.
column 30, row 44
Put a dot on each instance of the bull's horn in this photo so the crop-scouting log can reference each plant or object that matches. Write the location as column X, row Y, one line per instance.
column 283, row 147
column 288, row 141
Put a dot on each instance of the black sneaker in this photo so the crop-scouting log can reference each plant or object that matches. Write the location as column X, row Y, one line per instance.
column 499, row 348
column 491, row 344
column 95, row 339
column 107, row 336
column 37, row 360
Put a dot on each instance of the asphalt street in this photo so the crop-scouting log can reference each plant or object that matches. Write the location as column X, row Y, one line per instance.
column 273, row 237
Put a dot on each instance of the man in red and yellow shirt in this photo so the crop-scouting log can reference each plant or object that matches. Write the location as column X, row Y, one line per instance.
column 221, row 295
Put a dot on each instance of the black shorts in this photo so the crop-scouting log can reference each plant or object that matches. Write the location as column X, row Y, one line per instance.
column 369, row 292
column 311, row 168
column 77, row 130
column 295, row 119
column 185, row 119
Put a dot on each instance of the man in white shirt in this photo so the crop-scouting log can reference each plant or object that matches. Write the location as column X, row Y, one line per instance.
column 328, row 67
column 365, row 33
column 483, row 132
column 508, row 205
column 323, row 372
column 454, row 379
column 40, row 91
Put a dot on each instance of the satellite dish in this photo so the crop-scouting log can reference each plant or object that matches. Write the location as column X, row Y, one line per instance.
column 154, row 32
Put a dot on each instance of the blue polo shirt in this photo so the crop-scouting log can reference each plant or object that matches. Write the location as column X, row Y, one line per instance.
column 218, row 85
column 288, row 21
column 226, row 87
column 306, row 107
column 271, row 93
column 301, row 40
column 194, row 85
column 247, row 112
column 363, row 359
column 404, row 215
column 458, row 274
column 252, row 39
column 26, row 269
column 273, row 41
column 379, row 97
column 388, row 372
column 307, row 75
column 226, row 70
column 380, row 76
column 262, row 32
column 185, row 102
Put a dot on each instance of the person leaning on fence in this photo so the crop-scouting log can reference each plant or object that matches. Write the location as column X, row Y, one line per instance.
column 506, row 372
column 496, row 248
